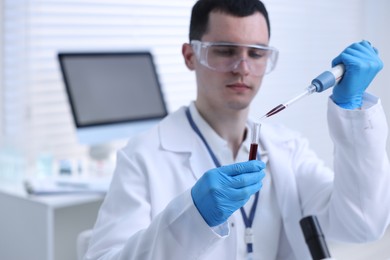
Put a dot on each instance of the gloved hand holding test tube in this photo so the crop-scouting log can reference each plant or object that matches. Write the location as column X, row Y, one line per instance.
column 322, row 82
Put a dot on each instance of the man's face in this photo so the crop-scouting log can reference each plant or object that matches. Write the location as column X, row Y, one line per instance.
column 232, row 90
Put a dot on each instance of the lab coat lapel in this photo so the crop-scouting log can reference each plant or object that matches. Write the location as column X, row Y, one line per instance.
column 176, row 135
column 279, row 154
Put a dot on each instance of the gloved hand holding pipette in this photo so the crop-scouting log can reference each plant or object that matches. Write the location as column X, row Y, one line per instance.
column 361, row 63
column 352, row 72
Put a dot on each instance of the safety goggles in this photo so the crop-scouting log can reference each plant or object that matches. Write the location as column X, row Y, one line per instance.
column 225, row 57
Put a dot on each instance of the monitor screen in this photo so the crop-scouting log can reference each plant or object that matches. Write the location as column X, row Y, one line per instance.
column 112, row 95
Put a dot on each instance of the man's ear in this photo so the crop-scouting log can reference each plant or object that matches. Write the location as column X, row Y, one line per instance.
column 188, row 55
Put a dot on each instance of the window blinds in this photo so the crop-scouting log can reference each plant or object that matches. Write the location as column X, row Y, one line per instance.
column 36, row 106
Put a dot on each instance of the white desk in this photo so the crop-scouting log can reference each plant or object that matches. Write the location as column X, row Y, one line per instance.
column 43, row 227
column 378, row 250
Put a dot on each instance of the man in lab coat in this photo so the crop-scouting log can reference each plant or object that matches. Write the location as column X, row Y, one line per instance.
column 186, row 190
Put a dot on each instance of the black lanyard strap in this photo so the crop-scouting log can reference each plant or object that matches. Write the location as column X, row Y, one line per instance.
column 247, row 221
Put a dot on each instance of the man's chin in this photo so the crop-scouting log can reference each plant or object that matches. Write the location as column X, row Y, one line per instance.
column 238, row 105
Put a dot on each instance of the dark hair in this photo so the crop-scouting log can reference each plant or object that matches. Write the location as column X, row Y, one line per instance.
column 241, row 8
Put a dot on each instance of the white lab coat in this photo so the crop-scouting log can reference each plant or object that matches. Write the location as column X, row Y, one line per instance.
column 149, row 214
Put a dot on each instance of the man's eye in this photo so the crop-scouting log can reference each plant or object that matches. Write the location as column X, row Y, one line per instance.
column 257, row 54
column 224, row 51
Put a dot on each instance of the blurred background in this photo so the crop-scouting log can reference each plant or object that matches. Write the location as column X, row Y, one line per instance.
column 35, row 112
column 35, row 117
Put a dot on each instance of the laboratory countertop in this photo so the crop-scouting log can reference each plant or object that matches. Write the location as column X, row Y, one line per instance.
column 55, row 200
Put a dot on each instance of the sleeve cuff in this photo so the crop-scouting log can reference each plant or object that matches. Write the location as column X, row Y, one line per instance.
column 221, row 230
column 186, row 218
column 369, row 101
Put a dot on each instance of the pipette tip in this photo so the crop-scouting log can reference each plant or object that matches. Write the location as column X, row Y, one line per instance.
column 274, row 111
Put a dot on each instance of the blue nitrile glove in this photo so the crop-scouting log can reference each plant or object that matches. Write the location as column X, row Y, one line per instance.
column 221, row 191
column 361, row 63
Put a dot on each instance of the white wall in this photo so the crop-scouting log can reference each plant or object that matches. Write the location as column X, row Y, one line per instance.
column 376, row 29
column 1, row 70
column 309, row 34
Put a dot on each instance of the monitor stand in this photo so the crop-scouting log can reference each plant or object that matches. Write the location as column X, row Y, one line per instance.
column 100, row 152
column 101, row 160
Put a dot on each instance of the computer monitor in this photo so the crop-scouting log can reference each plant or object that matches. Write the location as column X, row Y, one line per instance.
column 112, row 95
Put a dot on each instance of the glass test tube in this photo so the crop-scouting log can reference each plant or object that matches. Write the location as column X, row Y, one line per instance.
column 255, row 141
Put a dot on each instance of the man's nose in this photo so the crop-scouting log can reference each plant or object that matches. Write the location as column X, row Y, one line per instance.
column 242, row 67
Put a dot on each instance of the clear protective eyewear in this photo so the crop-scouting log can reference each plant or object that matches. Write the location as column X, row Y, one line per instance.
column 226, row 57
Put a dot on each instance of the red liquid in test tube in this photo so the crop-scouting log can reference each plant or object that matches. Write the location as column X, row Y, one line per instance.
column 255, row 141
column 253, row 151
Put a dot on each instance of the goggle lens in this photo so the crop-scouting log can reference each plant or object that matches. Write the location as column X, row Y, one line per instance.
column 224, row 57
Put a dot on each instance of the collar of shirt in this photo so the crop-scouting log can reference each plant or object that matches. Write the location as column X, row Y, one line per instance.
column 218, row 145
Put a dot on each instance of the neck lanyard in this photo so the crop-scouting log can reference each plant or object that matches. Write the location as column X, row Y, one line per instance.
column 247, row 221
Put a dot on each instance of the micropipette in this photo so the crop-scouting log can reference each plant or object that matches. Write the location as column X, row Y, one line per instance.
column 322, row 82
